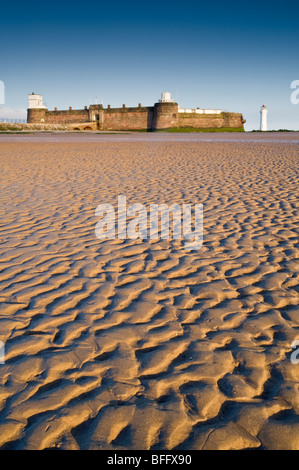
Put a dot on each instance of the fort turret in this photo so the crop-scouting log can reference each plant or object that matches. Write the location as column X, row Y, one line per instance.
column 36, row 112
column 165, row 113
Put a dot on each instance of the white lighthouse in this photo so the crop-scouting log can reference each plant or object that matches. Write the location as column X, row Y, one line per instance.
column 263, row 122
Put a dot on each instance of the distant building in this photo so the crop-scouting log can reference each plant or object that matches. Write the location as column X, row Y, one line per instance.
column 263, row 118
column 165, row 114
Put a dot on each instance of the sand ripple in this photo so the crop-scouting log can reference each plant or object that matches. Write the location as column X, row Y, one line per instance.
column 141, row 344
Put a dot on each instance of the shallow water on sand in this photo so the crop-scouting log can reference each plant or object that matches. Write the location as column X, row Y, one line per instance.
column 292, row 137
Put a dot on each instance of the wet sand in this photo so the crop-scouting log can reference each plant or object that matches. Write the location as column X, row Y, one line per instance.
column 140, row 344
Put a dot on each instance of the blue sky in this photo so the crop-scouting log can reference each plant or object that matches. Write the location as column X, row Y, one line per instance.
column 230, row 55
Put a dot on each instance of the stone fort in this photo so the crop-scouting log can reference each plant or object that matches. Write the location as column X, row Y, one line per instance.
column 165, row 114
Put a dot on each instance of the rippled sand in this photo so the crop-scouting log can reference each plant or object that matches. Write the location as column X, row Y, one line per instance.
column 142, row 344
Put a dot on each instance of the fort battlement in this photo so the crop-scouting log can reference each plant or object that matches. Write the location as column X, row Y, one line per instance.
column 165, row 114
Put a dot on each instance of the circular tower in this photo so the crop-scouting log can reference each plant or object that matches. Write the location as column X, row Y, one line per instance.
column 165, row 113
column 36, row 112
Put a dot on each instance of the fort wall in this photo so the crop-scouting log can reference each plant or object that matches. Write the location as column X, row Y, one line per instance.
column 206, row 121
column 140, row 118
column 163, row 115
column 66, row 117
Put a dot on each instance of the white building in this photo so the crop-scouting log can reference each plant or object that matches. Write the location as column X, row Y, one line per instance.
column 166, row 97
column 35, row 101
column 263, row 120
column 199, row 111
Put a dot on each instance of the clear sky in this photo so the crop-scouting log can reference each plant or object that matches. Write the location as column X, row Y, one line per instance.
column 213, row 54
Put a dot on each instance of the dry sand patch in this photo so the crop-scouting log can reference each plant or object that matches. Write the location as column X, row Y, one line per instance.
column 140, row 344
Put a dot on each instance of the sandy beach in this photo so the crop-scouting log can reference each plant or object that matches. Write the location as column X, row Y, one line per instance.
column 141, row 344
